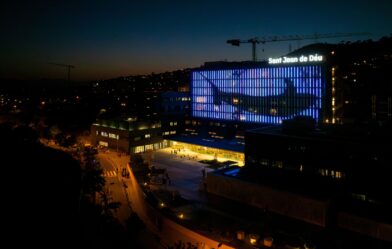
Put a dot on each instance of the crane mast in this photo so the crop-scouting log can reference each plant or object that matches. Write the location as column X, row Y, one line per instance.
column 69, row 67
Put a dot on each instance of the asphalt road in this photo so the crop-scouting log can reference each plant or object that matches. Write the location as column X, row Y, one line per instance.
column 115, row 185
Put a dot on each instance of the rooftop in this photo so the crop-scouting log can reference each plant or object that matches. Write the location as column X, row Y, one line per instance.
column 333, row 133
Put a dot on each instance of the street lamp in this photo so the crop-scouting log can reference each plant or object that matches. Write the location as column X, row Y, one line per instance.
column 117, row 138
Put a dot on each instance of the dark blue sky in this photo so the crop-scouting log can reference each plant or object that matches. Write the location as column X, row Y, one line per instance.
column 106, row 39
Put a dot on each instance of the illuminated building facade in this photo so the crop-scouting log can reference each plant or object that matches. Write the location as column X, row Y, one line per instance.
column 173, row 108
column 264, row 95
column 128, row 135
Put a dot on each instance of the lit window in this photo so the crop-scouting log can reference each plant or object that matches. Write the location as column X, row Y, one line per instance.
column 264, row 162
column 111, row 135
column 102, row 143
column 273, row 111
column 139, row 149
column 104, row 134
column 200, row 99
column 277, row 164
column 147, row 135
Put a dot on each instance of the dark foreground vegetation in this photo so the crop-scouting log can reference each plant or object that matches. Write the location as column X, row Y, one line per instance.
column 49, row 200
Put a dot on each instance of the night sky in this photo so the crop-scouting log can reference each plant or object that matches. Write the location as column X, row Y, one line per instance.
column 105, row 39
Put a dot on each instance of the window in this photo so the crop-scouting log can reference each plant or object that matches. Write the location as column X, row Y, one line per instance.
column 264, row 162
column 139, row 149
column 115, row 136
column 104, row 134
column 277, row 164
column 147, row 136
column 360, row 197
column 173, row 123
column 137, row 138
column 331, row 173
column 102, row 143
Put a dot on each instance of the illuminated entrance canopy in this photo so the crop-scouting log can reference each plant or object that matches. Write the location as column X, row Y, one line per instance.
column 259, row 95
column 300, row 59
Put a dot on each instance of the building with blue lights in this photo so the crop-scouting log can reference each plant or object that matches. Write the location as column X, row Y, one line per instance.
column 263, row 95
column 228, row 98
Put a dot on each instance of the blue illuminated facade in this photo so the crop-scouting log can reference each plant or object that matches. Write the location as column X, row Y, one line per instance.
column 258, row 95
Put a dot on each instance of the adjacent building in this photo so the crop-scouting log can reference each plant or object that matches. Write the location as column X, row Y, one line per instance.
column 128, row 135
column 347, row 167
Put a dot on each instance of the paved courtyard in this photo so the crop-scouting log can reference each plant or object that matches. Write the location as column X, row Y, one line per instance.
column 184, row 171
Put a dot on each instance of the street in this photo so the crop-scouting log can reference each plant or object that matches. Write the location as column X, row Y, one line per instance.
column 115, row 184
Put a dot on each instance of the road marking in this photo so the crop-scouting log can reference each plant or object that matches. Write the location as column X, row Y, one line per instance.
column 109, row 173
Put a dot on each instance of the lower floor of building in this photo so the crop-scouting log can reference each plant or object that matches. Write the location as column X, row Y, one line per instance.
column 210, row 153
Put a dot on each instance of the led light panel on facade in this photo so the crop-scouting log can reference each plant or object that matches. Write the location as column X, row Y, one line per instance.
column 259, row 95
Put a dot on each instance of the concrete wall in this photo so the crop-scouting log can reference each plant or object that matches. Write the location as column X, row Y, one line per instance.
column 285, row 203
column 365, row 226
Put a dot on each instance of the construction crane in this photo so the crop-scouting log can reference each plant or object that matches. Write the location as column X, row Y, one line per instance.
column 263, row 40
column 69, row 67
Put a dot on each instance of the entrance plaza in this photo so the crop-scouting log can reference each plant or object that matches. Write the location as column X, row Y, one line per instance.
column 184, row 168
column 208, row 153
column 185, row 173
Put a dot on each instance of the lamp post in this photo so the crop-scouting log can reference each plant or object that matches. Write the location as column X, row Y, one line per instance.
column 117, row 138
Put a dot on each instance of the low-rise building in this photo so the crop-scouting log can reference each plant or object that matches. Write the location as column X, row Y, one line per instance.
column 127, row 135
